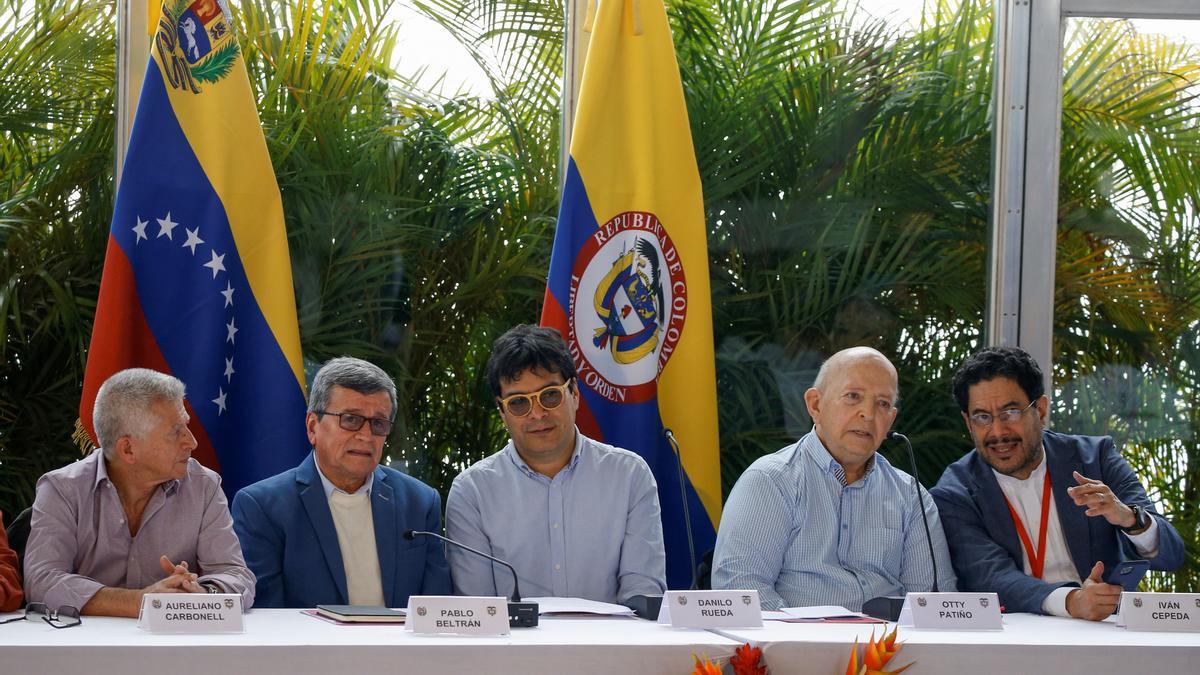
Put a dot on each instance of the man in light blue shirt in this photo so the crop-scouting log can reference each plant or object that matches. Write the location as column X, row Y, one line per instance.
column 827, row 521
column 575, row 517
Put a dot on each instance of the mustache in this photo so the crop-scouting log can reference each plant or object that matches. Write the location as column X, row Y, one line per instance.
column 1002, row 440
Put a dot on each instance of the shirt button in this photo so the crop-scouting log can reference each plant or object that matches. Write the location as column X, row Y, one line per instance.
column 555, row 526
column 557, row 566
column 845, row 526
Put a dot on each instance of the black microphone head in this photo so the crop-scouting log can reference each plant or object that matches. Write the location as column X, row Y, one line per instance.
column 409, row 535
column 894, row 435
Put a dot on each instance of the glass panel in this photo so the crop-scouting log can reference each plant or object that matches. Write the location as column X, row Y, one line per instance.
column 1127, row 302
column 846, row 159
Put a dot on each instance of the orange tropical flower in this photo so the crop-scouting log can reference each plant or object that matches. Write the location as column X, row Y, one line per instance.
column 705, row 667
column 746, row 659
column 852, row 665
column 876, row 655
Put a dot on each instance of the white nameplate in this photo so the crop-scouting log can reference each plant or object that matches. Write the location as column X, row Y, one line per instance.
column 711, row 609
column 457, row 615
column 954, row 611
column 1161, row 611
column 191, row 613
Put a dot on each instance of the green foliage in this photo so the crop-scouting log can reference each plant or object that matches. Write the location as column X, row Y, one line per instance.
column 846, row 167
column 56, row 135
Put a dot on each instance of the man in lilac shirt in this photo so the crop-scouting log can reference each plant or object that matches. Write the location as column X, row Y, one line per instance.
column 138, row 515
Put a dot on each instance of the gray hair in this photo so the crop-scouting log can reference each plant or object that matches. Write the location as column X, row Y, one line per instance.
column 357, row 375
column 123, row 404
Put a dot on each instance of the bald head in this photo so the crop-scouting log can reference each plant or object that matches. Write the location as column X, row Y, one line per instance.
column 853, row 404
column 851, row 356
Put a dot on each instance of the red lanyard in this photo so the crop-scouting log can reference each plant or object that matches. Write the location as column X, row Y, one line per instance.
column 1037, row 559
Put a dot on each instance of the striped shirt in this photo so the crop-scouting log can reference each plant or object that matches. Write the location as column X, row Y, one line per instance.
column 795, row 532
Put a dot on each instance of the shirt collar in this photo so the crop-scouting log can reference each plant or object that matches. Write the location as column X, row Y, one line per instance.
column 519, row 462
column 330, row 488
column 169, row 487
column 820, row 456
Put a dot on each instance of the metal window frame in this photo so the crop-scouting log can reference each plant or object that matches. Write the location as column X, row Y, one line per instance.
column 1027, row 101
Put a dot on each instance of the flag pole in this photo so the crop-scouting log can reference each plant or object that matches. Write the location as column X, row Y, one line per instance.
column 134, row 38
column 574, row 52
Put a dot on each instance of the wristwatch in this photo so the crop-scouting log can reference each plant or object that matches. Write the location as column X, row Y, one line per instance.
column 210, row 586
column 1141, row 520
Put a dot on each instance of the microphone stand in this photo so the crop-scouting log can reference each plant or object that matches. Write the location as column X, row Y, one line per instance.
column 520, row 614
column 687, row 516
column 888, row 607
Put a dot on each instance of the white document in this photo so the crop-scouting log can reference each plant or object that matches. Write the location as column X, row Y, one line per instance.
column 821, row 612
column 548, row 606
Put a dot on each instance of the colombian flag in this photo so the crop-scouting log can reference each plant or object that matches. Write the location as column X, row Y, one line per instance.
column 628, row 284
column 197, row 280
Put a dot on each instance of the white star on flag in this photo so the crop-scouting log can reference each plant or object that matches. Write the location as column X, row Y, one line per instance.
column 220, row 400
column 140, row 230
column 228, row 293
column 217, row 264
column 231, row 330
column 228, row 369
column 165, row 226
column 193, row 240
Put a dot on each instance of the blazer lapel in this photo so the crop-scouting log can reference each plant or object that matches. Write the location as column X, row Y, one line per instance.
column 999, row 523
column 316, row 505
column 1070, row 517
column 383, row 516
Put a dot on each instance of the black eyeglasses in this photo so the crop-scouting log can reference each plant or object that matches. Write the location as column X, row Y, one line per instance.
column 353, row 422
column 64, row 617
column 520, row 405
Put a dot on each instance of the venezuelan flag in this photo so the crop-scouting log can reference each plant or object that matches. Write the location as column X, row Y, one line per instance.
column 197, row 279
column 628, row 284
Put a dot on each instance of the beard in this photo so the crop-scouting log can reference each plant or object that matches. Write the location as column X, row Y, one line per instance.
column 1023, row 461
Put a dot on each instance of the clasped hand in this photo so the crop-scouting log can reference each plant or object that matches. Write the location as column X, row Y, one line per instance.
column 178, row 579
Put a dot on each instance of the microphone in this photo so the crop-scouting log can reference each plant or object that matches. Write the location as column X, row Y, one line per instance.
column 888, row 607
column 520, row 614
column 687, row 516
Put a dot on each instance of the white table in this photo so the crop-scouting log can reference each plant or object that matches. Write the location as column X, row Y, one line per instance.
column 284, row 641
column 1028, row 644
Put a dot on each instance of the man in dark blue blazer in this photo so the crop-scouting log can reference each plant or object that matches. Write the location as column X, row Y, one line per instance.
column 330, row 530
column 1037, row 516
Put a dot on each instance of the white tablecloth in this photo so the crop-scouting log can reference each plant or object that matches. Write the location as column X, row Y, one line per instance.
column 1028, row 644
column 286, row 642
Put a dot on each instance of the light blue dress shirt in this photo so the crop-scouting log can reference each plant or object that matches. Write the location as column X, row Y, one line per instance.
column 593, row 531
column 796, row 533
column 329, row 487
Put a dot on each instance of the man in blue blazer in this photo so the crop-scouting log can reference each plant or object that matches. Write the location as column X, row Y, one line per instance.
column 1038, row 516
column 330, row 530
